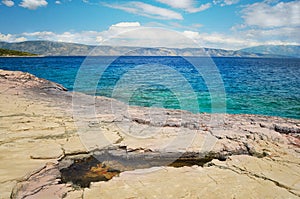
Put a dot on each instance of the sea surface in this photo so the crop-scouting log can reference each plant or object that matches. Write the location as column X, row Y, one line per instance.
column 232, row 85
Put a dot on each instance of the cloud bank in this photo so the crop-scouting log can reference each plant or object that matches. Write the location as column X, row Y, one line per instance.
column 278, row 15
column 135, row 34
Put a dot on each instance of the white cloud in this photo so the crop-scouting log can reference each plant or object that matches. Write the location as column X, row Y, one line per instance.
column 120, row 34
column 174, row 25
column 148, row 37
column 285, row 34
column 199, row 9
column 39, row 35
column 217, row 40
column 57, row 2
column 8, row 3
column 127, row 24
column 270, row 22
column 266, row 16
column 89, row 2
column 186, row 5
column 119, row 28
column 33, row 4
column 4, row 37
column 11, row 38
column 159, row 37
column 246, row 38
column 225, row 2
column 85, row 37
column 146, row 10
column 231, row 2
column 191, row 34
column 183, row 4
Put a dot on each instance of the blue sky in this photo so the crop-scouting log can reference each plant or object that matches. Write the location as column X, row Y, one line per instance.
column 228, row 24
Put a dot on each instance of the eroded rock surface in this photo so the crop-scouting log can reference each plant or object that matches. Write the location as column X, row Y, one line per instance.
column 41, row 125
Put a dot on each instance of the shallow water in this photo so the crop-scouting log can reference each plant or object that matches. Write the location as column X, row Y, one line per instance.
column 232, row 85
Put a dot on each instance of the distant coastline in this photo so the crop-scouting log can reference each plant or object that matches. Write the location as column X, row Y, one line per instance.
column 50, row 48
column 20, row 56
column 62, row 56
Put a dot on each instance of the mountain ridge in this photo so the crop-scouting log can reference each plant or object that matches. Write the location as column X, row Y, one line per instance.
column 51, row 48
column 285, row 50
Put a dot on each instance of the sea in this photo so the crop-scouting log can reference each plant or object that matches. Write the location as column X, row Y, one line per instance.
column 264, row 86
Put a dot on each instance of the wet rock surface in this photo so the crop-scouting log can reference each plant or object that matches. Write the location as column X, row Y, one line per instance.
column 44, row 129
column 86, row 170
column 104, row 165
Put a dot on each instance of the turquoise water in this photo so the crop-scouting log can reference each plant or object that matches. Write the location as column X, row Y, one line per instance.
column 232, row 85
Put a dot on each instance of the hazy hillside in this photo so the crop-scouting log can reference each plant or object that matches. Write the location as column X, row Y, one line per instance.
column 6, row 52
column 285, row 50
column 49, row 48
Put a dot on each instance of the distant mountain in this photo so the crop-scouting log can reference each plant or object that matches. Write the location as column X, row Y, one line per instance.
column 9, row 53
column 284, row 50
column 49, row 48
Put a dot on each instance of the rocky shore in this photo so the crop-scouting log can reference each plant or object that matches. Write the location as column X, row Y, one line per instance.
column 59, row 144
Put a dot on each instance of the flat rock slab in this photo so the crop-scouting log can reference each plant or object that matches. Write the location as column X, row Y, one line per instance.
column 186, row 182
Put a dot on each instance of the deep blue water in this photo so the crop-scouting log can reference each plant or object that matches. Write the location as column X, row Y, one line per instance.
column 232, row 85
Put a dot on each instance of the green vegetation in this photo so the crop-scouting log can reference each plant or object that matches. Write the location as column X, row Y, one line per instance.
column 6, row 52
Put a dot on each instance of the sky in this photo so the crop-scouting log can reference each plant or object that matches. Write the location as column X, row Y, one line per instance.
column 225, row 24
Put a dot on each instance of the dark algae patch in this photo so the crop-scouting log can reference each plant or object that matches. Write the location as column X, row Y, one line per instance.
column 105, row 166
column 84, row 171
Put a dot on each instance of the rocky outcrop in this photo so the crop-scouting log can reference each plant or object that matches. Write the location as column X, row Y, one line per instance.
column 44, row 131
column 42, row 184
